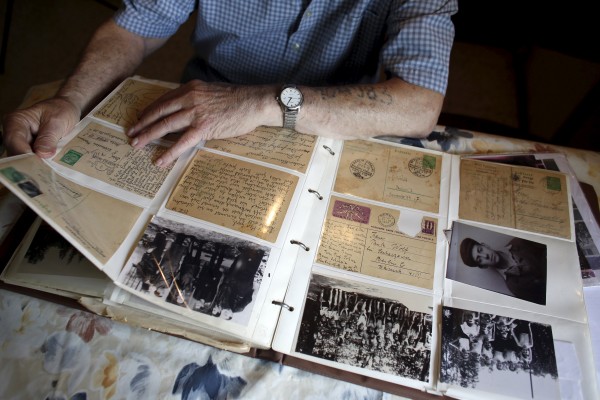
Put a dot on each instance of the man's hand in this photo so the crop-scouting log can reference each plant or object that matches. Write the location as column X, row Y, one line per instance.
column 39, row 127
column 203, row 111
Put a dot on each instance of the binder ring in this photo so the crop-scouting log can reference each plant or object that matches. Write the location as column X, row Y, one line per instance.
column 329, row 150
column 315, row 193
column 305, row 247
column 282, row 304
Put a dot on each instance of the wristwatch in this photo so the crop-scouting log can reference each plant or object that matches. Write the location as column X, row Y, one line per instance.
column 291, row 99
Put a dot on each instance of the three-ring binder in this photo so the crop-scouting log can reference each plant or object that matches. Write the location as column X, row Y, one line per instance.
column 282, row 304
column 315, row 193
column 305, row 247
column 329, row 150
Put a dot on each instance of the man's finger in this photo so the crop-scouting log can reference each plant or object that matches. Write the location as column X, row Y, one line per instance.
column 172, row 123
column 188, row 140
column 156, row 111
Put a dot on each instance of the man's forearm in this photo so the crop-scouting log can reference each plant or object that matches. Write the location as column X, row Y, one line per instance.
column 112, row 54
column 393, row 107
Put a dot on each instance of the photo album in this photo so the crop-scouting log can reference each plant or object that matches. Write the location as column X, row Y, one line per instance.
column 433, row 272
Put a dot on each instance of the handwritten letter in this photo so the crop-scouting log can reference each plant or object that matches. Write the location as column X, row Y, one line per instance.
column 278, row 146
column 123, row 107
column 486, row 193
column 104, row 153
column 235, row 194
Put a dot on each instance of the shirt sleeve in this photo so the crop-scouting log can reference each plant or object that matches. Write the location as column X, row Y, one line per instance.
column 419, row 40
column 153, row 18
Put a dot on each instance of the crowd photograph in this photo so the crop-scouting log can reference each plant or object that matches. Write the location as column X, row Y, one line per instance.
column 201, row 270
column 343, row 325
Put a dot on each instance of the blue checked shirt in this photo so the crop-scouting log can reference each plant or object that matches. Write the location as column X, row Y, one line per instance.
column 310, row 42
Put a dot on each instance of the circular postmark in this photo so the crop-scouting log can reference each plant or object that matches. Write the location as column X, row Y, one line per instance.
column 362, row 169
column 386, row 219
column 417, row 168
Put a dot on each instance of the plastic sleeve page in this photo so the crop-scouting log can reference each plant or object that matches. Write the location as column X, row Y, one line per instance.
column 522, row 198
column 379, row 261
column 489, row 351
column 209, row 254
column 493, row 265
column 95, row 223
column 364, row 238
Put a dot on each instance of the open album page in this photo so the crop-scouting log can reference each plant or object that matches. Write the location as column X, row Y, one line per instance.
column 96, row 223
column 213, row 251
column 97, row 190
column 507, row 261
column 367, row 296
column 48, row 262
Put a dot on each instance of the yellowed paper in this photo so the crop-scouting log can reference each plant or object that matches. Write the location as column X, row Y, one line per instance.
column 248, row 198
column 523, row 198
column 124, row 106
column 98, row 222
column 105, row 154
column 364, row 238
column 390, row 174
column 278, row 146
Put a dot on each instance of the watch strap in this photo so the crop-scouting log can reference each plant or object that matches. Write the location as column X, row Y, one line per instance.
column 289, row 118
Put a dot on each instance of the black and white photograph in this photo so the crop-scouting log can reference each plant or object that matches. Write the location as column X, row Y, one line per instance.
column 202, row 270
column 498, row 354
column 501, row 263
column 342, row 323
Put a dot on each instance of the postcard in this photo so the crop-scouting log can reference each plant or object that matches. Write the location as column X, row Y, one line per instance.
column 365, row 238
column 398, row 176
column 516, row 197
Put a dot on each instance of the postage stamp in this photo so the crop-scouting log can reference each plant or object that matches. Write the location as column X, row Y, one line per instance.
column 71, row 157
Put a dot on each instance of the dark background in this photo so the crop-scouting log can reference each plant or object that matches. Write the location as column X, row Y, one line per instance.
column 518, row 68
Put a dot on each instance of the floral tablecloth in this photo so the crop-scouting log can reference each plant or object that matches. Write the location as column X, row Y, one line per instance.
column 49, row 351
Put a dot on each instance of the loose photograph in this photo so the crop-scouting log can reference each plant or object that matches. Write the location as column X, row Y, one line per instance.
column 202, row 270
column 344, row 324
column 498, row 354
column 501, row 263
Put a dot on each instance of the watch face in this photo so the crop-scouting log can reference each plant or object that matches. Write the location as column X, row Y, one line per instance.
column 291, row 97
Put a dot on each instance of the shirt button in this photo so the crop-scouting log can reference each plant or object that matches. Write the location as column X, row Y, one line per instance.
column 308, row 14
column 296, row 46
